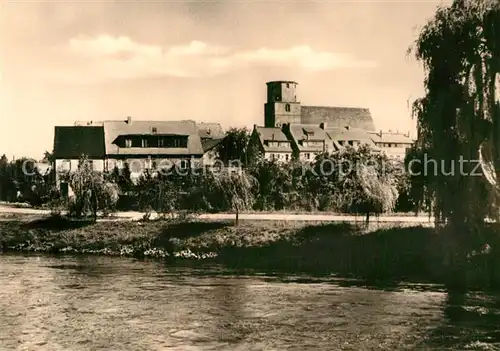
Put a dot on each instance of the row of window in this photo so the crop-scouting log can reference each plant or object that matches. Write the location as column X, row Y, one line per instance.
column 310, row 156
column 393, row 144
column 349, row 142
column 312, row 143
column 280, row 144
column 161, row 141
column 277, row 157
column 135, row 165
column 288, row 157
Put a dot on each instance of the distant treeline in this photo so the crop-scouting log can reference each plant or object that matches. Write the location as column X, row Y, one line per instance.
column 348, row 181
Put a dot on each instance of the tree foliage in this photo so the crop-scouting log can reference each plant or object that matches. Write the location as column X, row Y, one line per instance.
column 356, row 180
column 235, row 185
column 91, row 192
column 234, row 146
column 460, row 50
column 459, row 119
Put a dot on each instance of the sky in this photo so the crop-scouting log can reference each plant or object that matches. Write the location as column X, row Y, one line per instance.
column 202, row 60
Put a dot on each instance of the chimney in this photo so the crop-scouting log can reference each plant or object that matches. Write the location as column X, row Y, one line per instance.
column 129, row 120
column 254, row 126
column 323, row 125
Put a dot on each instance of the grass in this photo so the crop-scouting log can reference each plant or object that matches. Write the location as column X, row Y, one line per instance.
column 383, row 251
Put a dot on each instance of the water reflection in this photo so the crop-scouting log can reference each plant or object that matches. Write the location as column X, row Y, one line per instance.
column 470, row 320
column 82, row 303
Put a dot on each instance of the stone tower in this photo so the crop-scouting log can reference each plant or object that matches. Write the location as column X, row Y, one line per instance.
column 282, row 105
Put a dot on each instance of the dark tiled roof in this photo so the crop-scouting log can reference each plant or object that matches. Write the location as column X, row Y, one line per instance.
column 272, row 134
column 391, row 138
column 282, row 81
column 210, row 130
column 72, row 142
column 208, row 143
column 338, row 116
column 113, row 129
column 298, row 133
column 351, row 134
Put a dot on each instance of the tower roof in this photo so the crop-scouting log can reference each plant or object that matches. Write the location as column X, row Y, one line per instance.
column 282, row 81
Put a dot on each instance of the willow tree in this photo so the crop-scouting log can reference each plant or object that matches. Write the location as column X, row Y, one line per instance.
column 356, row 181
column 236, row 186
column 458, row 118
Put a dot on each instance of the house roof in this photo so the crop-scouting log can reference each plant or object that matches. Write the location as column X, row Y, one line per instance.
column 390, row 138
column 71, row 142
column 338, row 116
column 301, row 132
column 209, row 144
column 351, row 134
column 272, row 134
column 113, row 129
column 282, row 81
column 210, row 130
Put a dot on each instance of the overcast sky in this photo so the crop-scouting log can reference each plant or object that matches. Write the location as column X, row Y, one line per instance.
column 201, row 60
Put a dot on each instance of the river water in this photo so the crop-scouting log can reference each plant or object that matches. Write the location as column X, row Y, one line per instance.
column 102, row 303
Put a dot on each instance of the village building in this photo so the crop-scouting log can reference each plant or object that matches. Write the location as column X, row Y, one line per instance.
column 269, row 144
column 308, row 141
column 211, row 135
column 140, row 144
column 312, row 130
column 394, row 144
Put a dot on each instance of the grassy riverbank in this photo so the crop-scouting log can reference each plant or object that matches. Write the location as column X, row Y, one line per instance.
column 383, row 251
column 400, row 252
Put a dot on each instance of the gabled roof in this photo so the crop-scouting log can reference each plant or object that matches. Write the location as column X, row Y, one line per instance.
column 338, row 116
column 299, row 132
column 267, row 134
column 282, row 81
column 390, row 138
column 209, row 144
column 113, row 129
column 350, row 134
column 210, row 130
column 71, row 142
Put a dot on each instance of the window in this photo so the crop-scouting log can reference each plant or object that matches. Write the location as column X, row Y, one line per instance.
column 154, row 165
column 144, row 142
column 64, row 188
column 136, row 141
column 154, row 130
column 287, row 157
column 287, row 107
column 169, row 141
column 184, row 164
column 152, row 141
column 128, row 142
column 307, row 155
column 288, row 85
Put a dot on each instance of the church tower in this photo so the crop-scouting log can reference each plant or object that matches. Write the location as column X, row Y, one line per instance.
column 282, row 105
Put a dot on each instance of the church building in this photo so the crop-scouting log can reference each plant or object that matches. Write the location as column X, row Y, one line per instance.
column 292, row 130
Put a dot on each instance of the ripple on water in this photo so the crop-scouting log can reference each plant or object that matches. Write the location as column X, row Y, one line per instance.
column 97, row 303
